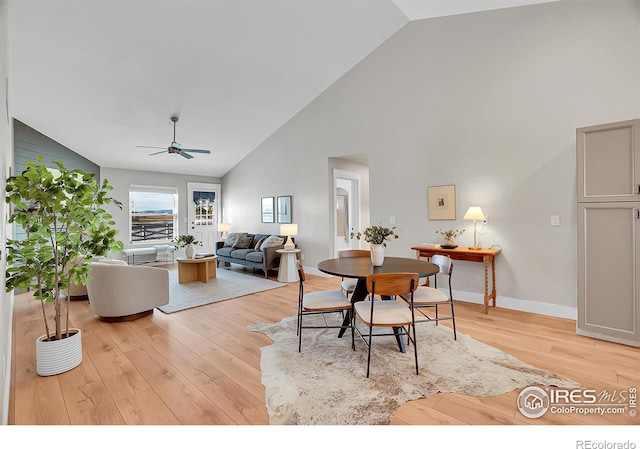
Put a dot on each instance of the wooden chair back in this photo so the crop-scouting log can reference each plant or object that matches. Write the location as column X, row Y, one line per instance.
column 354, row 253
column 300, row 271
column 392, row 284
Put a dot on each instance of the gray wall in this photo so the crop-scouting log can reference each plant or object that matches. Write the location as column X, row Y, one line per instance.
column 6, row 302
column 121, row 179
column 29, row 144
column 488, row 102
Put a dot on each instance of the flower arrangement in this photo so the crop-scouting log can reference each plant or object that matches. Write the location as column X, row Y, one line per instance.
column 377, row 235
column 450, row 234
column 183, row 240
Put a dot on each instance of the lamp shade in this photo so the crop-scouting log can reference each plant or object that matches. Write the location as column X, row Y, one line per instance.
column 288, row 229
column 474, row 213
column 224, row 227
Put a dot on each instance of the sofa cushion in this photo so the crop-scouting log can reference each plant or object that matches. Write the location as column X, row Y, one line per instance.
column 272, row 240
column 259, row 243
column 232, row 239
column 244, row 242
column 224, row 251
column 255, row 256
column 241, row 253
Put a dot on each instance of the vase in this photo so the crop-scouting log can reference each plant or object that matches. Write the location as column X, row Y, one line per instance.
column 57, row 356
column 188, row 250
column 377, row 254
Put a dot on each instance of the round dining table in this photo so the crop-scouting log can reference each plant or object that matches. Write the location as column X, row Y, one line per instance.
column 360, row 267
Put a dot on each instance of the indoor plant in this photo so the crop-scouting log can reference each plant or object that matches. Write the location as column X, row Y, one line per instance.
column 64, row 225
column 377, row 237
column 448, row 236
column 186, row 241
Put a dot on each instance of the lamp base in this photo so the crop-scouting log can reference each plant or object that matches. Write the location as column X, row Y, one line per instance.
column 474, row 248
column 289, row 246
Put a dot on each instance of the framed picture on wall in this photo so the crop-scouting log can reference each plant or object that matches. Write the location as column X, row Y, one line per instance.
column 284, row 209
column 442, row 202
column 267, row 212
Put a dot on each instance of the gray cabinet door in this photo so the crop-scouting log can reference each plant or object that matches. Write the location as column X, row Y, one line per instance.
column 608, row 269
column 608, row 158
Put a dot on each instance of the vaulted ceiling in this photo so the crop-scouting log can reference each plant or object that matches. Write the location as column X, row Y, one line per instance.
column 104, row 76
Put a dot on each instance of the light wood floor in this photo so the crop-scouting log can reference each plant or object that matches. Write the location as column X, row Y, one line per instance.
column 202, row 366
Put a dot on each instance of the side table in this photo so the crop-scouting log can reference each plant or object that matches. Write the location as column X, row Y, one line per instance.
column 288, row 271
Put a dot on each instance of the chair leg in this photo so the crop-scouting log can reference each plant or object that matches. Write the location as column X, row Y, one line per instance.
column 369, row 350
column 415, row 347
column 299, row 332
column 453, row 319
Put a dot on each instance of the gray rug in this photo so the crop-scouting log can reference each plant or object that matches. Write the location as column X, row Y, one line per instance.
column 226, row 285
column 326, row 384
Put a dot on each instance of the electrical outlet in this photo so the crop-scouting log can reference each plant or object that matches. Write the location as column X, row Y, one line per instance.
column 555, row 220
column 301, row 256
column 392, row 219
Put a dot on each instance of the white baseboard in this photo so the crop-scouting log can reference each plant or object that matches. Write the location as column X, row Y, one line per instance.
column 316, row 272
column 523, row 305
column 542, row 308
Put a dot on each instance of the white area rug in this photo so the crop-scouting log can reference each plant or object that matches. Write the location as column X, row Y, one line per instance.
column 326, row 384
column 226, row 285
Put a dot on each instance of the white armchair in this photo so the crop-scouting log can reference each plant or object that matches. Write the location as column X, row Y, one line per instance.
column 126, row 292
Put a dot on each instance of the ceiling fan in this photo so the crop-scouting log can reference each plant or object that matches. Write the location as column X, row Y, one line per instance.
column 175, row 147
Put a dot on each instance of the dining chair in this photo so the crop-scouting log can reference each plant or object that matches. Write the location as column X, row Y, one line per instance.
column 430, row 298
column 391, row 312
column 349, row 285
column 321, row 303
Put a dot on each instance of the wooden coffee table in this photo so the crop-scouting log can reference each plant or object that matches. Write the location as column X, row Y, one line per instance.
column 196, row 269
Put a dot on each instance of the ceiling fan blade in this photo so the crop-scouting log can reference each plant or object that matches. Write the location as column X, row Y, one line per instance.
column 188, row 156
column 159, row 152
column 145, row 146
column 191, row 150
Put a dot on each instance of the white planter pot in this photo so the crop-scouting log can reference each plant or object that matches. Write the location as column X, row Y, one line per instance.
column 188, row 250
column 57, row 356
column 377, row 255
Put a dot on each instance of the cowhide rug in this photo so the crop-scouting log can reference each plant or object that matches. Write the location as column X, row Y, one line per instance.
column 326, row 383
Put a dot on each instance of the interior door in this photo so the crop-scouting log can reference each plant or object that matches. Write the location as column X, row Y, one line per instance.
column 203, row 204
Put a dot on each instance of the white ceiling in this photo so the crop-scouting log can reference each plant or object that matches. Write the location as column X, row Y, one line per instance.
column 103, row 76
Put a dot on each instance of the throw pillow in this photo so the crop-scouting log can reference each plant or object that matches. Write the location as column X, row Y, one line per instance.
column 232, row 239
column 258, row 245
column 243, row 242
column 272, row 240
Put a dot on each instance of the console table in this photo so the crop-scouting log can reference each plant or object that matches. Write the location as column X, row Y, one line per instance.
column 484, row 255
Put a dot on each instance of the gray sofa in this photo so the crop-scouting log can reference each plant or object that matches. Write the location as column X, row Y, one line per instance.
column 246, row 249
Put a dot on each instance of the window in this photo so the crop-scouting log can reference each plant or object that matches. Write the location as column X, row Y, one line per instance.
column 154, row 213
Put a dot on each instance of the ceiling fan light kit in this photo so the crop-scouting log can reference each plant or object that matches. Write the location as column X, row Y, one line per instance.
column 175, row 148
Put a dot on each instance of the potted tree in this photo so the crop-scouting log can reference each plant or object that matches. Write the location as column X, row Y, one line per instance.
column 64, row 225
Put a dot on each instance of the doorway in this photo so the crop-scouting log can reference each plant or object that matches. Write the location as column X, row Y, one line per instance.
column 346, row 210
column 203, row 209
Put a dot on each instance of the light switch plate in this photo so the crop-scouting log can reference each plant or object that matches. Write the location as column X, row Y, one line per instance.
column 555, row 220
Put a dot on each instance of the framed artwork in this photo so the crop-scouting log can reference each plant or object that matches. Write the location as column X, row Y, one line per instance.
column 442, row 202
column 284, row 209
column 267, row 213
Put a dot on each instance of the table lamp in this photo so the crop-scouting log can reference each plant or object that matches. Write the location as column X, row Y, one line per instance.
column 289, row 230
column 474, row 213
column 224, row 228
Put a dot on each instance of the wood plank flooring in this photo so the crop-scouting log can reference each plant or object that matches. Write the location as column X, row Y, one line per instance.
column 202, row 366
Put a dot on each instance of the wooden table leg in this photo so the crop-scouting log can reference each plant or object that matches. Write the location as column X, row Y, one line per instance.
column 486, row 284
column 489, row 296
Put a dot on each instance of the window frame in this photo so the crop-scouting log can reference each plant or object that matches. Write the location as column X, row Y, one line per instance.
column 171, row 190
